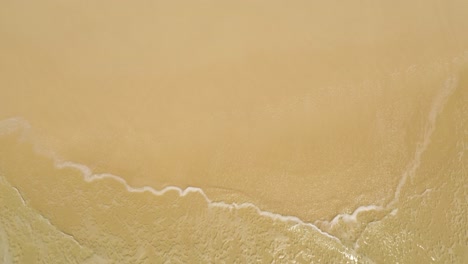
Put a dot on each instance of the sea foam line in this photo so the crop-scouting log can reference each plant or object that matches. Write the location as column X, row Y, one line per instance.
column 12, row 125
column 437, row 106
column 353, row 216
column 90, row 177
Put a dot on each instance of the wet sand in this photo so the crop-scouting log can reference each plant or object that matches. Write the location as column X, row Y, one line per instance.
column 306, row 131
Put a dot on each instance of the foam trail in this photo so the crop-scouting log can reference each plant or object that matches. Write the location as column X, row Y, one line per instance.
column 353, row 216
column 11, row 125
column 437, row 106
column 20, row 195
column 90, row 177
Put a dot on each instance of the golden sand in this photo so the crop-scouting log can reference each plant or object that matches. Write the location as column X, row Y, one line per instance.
column 311, row 132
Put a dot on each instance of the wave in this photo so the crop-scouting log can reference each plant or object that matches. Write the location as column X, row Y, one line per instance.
column 17, row 124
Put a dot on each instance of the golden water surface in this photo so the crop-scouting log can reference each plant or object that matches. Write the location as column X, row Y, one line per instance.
column 233, row 131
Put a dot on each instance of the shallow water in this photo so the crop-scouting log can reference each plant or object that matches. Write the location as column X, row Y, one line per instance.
column 210, row 131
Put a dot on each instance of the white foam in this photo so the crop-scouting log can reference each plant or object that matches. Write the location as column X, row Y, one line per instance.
column 13, row 124
column 20, row 195
column 353, row 216
column 394, row 212
column 437, row 106
column 89, row 177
